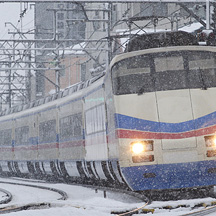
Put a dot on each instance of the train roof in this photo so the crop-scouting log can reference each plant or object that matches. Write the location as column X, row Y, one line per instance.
column 67, row 91
column 161, row 39
column 123, row 56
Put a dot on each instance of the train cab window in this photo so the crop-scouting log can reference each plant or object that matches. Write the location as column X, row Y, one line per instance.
column 170, row 72
column 164, row 71
column 202, row 70
column 132, row 75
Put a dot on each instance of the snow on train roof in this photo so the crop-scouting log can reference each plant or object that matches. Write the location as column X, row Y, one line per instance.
column 190, row 28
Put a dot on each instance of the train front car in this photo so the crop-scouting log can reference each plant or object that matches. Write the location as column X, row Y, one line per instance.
column 166, row 117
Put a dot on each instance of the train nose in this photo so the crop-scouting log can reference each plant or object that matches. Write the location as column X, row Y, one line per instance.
column 177, row 126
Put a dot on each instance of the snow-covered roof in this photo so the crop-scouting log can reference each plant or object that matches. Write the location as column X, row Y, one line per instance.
column 191, row 27
column 76, row 49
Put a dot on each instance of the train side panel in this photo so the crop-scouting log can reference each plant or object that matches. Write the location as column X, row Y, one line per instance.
column 6, row 143
column 47, row 131
column 71, row 139
column 25, row 143
column 203, row 102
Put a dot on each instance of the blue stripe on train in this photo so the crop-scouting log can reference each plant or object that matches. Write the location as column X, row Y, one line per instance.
column 170, row 176
column 131, row 123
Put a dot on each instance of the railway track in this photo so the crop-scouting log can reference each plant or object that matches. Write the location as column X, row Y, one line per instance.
column 8, row 196
column 38, row 205
column 203, row 212
column 144, row 203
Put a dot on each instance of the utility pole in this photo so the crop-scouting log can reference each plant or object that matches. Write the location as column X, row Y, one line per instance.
column 207, row 14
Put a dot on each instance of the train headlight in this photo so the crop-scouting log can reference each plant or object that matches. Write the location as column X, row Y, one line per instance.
column 142, row 151
column 137, row 147
column 210, row 142
column 141, row 146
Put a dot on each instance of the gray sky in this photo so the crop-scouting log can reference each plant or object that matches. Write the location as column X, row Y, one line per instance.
column 10, row 12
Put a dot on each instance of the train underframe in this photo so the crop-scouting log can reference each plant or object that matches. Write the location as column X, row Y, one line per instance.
column 102, row 173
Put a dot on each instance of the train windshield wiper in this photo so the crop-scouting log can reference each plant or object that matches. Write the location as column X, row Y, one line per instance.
column 202, row 81
column 141, row 90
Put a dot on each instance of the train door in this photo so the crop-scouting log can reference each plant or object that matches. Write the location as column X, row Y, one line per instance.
column 95, row 126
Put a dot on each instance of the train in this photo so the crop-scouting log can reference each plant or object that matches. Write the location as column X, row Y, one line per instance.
column 147, row 124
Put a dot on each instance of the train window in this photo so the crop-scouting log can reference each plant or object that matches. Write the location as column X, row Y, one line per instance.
column 1, row 137
column 20, row 108
column 72, row 89
column 60, row 94
column 202, row 70
column 96, row 119
column 170, row 73
column 47, row 131
column 26, row 106
column 65, row 92
column 7, row 111
column 48, row 99
column 22, row 135
column 169, row 63
column 32, row 104
column 6, row 137
column 164, row 71
column 54, row 97
column 71, row 126
column 80, row 86
column 41, row 101
column 127, row 79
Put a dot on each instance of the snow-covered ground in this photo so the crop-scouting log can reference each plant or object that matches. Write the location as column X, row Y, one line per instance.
column 85, row 202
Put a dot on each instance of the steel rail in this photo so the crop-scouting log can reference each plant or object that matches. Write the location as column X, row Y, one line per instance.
column 63, row 194
column 108, row 1
column 24, row 207
column 8, row 194
column 203, row 212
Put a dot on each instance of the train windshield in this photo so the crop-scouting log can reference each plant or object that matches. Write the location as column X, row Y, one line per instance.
column 164, row 71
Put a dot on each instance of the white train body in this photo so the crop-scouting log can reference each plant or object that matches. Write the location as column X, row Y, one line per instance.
column 162, row 99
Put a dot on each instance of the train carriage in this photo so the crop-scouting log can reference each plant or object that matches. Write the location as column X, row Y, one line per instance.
column 167, row 130
column 6, row 144
column 25, row 142
column 71, row 137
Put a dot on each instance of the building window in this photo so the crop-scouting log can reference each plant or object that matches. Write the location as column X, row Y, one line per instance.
column 61, row 6
column 83, row 71
column 153, row 9
column 62, row 70
column 60, row 16
column 60, row 25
